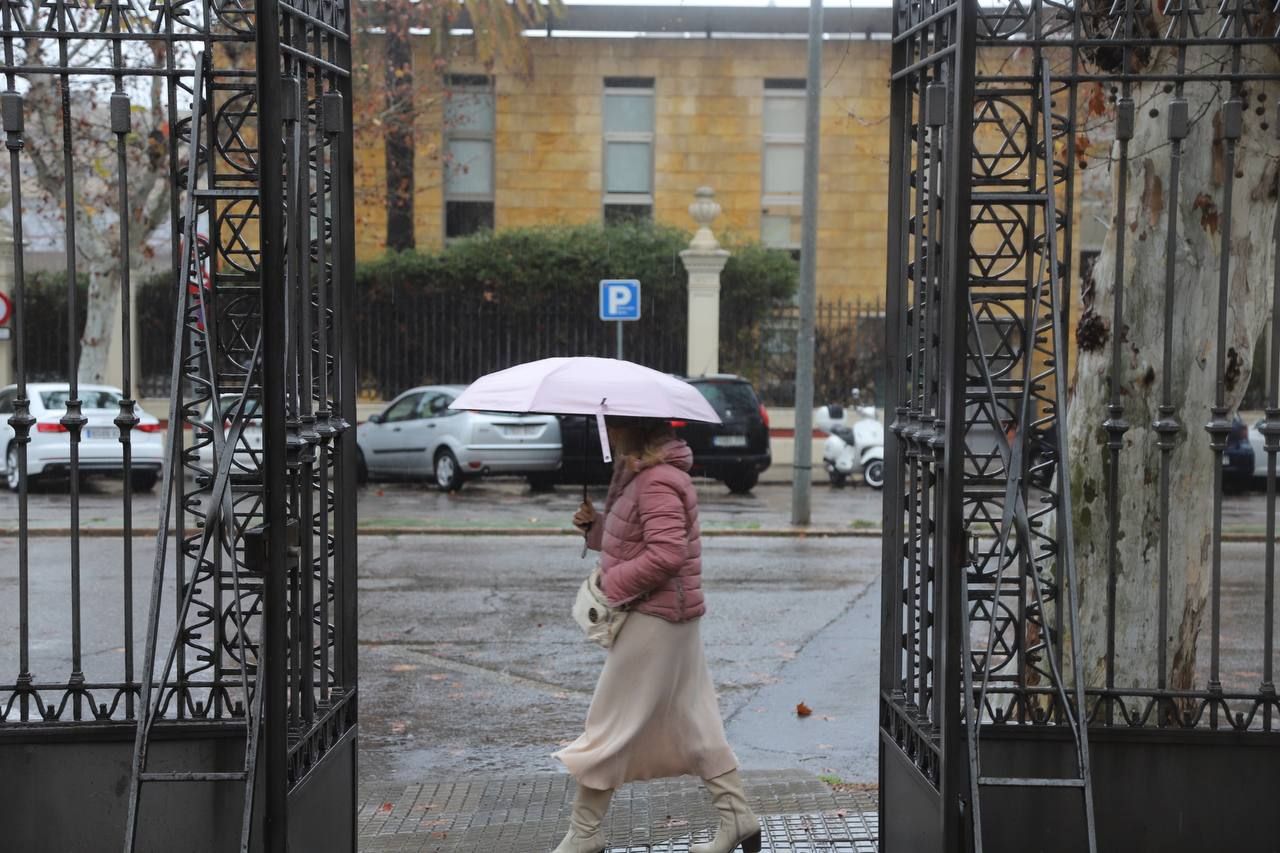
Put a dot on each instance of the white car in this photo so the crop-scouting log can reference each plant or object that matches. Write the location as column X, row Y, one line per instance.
column 250, row 440
column 49, row 451
column 418, row 435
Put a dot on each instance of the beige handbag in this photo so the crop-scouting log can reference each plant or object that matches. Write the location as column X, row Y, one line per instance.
column 592, row 611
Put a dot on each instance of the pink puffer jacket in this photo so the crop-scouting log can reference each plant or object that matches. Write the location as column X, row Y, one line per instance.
column 650, row 539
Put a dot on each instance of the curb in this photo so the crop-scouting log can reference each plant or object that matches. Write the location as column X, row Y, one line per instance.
column 761, row 533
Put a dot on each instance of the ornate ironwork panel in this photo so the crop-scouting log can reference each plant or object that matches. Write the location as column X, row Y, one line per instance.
column 931, row 139
column 222, row 132
column 1083, row 613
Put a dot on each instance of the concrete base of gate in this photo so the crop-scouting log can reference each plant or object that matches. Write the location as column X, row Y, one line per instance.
column 529, row 814
column 1153, row 790
column 66, row 788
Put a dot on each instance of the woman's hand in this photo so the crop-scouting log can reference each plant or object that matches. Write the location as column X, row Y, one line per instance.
column 585, row 518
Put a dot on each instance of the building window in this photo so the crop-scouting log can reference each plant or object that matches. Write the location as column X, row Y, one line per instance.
column 468, row 167
column 782, row 181
column 628, row 149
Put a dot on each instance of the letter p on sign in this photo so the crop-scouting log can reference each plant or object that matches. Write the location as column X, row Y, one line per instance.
column 619, row 299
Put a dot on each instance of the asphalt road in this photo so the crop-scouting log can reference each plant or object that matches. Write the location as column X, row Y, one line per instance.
column 471, row 664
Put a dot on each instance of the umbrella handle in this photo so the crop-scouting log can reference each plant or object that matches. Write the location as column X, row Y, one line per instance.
column 586, row 449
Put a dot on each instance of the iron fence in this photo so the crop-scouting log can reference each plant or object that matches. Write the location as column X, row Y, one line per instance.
column 1061, row 659
column 413, row 338
column 848, row 351
column 249, row 638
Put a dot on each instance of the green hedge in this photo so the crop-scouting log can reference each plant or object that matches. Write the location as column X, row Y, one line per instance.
column 525, row 268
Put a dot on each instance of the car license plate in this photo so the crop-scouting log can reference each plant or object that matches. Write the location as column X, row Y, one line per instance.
column 520, row 431
column 102, row 433
column 730, row 441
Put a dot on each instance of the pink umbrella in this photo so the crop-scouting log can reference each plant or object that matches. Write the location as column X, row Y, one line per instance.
column 587, row 386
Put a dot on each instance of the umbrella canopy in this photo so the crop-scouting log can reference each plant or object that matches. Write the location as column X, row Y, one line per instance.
column 587, row 386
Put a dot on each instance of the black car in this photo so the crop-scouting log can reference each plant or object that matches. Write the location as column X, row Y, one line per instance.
column 735, row 451
column 1237, row 458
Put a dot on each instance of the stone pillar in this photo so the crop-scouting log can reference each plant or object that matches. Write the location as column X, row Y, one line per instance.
column 7, row 376
column 704, row 260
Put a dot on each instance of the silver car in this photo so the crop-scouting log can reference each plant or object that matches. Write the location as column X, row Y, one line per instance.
column 418, row 435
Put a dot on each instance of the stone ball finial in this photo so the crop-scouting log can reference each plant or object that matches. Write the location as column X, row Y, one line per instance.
column 704, row 211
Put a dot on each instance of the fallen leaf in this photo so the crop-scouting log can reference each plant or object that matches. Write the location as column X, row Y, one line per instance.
column 439, row 676
column 803, row 710
column 386, row 808
column 405, row 667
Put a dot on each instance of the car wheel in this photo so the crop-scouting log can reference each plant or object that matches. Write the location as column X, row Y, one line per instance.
column 873, row 473
column 362, row 468
column 144, row 481
column 541, row 482
column 741, row 482
column 838, row 480
column 11, row 468
column 448, row 472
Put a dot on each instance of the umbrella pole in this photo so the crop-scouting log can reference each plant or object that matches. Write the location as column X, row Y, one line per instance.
column 586, row 449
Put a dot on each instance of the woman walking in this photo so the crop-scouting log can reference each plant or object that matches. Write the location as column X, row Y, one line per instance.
column 654, row 713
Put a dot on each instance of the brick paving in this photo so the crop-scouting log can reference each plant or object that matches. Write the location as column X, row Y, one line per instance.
column 529, row 814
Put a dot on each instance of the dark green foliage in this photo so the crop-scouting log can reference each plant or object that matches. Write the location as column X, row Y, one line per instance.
column 498, row 298
column 525, row 268
column 44, row 307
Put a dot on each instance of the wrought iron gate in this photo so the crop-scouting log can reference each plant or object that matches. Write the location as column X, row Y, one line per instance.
column 242, row 719
column 997, row 695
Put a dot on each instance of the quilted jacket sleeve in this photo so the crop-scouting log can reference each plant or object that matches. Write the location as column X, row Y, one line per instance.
column 595, row 534
column 666, row 544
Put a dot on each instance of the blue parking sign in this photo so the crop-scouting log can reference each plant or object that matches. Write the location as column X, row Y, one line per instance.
column 619, row 299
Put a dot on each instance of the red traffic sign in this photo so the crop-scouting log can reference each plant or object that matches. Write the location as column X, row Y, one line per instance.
column 6, row 309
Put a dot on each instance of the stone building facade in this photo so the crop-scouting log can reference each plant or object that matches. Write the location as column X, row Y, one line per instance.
column 612, row 125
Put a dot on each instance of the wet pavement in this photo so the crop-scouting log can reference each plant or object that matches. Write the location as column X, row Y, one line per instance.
column 471, row 664
column 482, row 505
column 530, row 813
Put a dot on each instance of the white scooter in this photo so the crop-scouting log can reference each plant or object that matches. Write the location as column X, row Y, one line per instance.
column 853, row 447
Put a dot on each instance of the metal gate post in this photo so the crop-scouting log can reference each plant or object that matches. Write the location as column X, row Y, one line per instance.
column 953, row 613
column 275, row 482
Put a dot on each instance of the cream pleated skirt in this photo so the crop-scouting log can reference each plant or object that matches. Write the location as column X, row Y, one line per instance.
column 654, row 713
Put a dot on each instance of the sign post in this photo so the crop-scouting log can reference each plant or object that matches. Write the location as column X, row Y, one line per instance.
column 620, row 303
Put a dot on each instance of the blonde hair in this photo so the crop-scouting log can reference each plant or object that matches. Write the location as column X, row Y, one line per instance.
column 642, row 439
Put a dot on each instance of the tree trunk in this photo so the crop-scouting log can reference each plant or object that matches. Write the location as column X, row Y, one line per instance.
column 1193, row 371
column 399, row 135
column 100, row 327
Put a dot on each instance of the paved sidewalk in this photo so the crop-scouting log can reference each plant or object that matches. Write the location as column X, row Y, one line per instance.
column 529, row 814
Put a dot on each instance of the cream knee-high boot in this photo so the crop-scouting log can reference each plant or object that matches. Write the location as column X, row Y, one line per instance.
column 586, row 834
column 737, row 824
